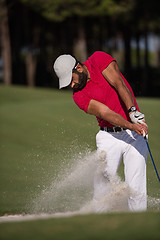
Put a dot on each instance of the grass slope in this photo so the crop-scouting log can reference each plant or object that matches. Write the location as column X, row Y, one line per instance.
column 40, row 129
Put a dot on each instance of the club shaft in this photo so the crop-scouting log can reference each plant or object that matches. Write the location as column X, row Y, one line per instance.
column 152, row 158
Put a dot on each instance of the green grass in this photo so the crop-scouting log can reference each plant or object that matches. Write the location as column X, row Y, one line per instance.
column 39, row 131
column 90, row 227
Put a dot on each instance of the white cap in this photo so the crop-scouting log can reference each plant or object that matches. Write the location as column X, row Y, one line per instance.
column 63, row 67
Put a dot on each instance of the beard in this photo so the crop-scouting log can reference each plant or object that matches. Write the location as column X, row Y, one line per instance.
column 83, row 77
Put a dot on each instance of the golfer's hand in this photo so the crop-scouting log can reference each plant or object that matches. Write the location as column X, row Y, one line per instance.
column 137, row 117
column 141, row 129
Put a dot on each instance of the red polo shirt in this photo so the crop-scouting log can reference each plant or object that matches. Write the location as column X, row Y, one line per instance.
column 100, row 90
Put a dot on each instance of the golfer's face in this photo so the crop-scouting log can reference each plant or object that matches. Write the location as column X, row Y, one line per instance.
column 75, row 80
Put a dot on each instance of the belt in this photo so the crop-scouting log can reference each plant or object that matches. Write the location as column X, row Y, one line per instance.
column 112, row 129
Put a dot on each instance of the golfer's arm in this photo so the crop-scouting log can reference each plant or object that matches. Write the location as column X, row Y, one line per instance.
column 113, row 76
column 102, row 111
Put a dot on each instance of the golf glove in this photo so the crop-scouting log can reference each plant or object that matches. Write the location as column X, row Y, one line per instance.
column 137, row 117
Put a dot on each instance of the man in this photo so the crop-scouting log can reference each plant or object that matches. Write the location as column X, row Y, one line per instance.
column 100, row 89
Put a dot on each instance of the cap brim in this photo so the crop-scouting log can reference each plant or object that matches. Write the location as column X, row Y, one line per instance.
column 65, row 81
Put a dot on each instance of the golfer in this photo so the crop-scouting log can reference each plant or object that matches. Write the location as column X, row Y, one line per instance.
column 100, row 89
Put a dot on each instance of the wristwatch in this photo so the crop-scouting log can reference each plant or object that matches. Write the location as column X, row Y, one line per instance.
column 132, row 109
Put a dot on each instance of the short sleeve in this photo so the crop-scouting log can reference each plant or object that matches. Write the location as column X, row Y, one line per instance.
column 102, row 59
column 82, row 100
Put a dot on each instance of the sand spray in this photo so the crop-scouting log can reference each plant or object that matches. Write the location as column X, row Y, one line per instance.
column 73, row 189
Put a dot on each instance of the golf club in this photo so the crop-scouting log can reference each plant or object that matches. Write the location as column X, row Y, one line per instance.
column 145, row 138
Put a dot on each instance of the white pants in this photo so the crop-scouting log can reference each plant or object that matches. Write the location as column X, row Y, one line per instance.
column 133, row 149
